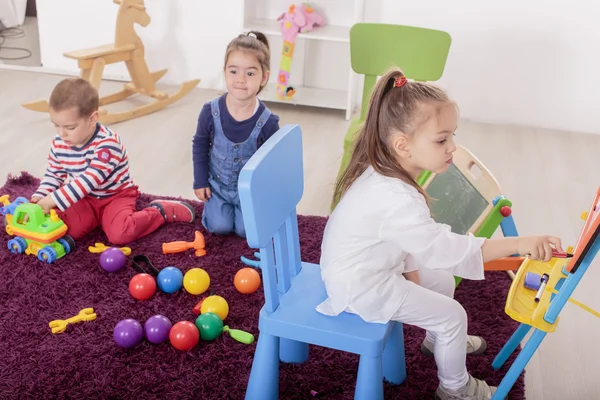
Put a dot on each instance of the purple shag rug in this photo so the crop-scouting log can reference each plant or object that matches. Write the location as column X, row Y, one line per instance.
column 85, row 362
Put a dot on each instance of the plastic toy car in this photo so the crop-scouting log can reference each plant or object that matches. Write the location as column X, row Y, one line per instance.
column 43, row 235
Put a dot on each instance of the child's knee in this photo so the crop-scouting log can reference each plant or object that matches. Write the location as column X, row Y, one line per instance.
column 240, row 231
column 120, row 238
column 456, row 315
column 218, row 226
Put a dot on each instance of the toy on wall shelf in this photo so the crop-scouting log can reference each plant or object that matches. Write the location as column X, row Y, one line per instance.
column 43, row 235
column 128, row 48
column 296, row 20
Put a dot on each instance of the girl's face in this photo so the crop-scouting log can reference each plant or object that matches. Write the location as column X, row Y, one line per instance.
column 431, row 146
column 243, row 75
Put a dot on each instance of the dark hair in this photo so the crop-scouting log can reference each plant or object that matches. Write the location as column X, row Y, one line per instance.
column 75, row 92
column 391, row 110
column 256, row 43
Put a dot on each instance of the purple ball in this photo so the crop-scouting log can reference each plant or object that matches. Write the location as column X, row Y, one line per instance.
column 128, row 333
column 112, row 259
column 157, row 328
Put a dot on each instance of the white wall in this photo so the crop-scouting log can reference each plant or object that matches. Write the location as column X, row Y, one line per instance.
column 184, row 36
column 529, row 62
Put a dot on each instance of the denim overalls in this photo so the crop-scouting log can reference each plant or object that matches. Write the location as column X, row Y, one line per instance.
column 222, row 212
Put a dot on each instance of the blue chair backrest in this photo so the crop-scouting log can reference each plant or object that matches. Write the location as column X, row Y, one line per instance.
column 270, row 186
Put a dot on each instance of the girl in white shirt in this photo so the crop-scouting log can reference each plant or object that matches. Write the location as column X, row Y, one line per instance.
column 384, row 257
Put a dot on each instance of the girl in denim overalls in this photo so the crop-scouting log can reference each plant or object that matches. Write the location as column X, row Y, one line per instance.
column 230, row 130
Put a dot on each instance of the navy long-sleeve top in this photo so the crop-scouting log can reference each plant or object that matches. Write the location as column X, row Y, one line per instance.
column 235, row 131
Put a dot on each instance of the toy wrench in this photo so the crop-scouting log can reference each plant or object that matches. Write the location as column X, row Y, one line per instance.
column 100, row 247
column 60, row 325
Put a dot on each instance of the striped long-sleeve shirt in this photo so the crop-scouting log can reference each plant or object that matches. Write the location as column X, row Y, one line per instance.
column 99, row 169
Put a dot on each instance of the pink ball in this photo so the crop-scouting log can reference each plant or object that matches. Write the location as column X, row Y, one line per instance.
column 112, row 259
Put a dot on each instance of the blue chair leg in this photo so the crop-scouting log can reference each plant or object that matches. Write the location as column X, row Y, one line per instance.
column 519, row 365
column 369, row 381
column 264, row 376
column 510, row 346
column 292, row 352
column 393, row 361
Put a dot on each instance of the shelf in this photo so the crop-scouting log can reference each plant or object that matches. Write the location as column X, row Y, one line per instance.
column 309, row 96
column 330, row 33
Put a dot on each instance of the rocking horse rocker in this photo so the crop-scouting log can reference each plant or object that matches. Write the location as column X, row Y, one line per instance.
column 128, row 48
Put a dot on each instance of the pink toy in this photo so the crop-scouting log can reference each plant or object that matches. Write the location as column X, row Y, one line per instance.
column 296, row 20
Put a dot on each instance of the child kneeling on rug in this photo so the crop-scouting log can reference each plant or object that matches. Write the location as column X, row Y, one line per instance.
column 88, row 177
column 230, row 130
column 384, row 257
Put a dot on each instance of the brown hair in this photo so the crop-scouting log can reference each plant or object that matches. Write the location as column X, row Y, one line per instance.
column 391, row 110
column 75, row 92
column 256, row 43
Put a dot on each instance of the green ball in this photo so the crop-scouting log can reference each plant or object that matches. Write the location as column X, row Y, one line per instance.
column 210, row 326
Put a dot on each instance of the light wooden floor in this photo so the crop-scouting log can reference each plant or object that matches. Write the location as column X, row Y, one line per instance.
column 548, row 175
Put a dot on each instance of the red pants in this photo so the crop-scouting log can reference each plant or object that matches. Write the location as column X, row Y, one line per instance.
column 116, row 215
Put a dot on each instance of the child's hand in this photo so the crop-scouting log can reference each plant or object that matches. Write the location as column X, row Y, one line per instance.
column 47, row 204
column 203, row 193
column 539, row 247
column 35, row 199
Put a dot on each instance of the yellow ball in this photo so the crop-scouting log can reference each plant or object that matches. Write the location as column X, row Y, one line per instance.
column 215, row 304
column 196, row 281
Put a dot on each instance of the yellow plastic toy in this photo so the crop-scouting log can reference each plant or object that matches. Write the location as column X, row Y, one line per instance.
column 100, row 247
column 520, row 303
column 60, row 325
column 36, row 233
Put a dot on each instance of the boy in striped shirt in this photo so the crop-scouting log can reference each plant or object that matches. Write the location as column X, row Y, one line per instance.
column 88, row 178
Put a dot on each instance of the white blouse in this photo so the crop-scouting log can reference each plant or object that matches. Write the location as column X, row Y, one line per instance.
column 380, row 229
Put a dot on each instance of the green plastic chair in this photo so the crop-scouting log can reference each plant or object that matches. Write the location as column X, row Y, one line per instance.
column 374, row 48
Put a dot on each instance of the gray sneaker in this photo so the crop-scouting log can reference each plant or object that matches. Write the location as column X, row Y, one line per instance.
column 475, row 389
column 475, row 345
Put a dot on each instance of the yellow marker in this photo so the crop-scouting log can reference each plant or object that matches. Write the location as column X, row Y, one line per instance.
column 584, row 215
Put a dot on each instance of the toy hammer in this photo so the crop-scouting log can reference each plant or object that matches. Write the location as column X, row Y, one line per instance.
column 177, row 247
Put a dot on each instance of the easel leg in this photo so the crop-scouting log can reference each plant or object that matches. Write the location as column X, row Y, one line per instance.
column 519, row 365
column 510, row 346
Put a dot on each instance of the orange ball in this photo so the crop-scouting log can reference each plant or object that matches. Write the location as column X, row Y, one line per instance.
column 246, row 280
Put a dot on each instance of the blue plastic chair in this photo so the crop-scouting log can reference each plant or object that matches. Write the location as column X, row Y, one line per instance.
column 270, row 186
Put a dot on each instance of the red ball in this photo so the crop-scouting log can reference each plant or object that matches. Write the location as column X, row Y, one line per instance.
column 505, row 211
column 142, row 286
column 184, row 335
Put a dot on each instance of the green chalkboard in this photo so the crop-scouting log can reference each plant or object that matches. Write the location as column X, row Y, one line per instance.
column 455, row 201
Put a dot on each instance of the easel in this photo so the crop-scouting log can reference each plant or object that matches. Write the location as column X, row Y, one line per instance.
column 128, row 48
column 497, row 211
column 543, row 315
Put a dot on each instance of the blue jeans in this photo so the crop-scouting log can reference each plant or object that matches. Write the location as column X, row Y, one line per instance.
column 222, row 212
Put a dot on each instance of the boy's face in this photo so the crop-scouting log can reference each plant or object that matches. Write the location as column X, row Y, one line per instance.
column 72, row 128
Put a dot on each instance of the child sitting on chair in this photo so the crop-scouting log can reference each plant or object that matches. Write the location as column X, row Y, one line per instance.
column 384, row 257
column 88, row 178
column 230, row 130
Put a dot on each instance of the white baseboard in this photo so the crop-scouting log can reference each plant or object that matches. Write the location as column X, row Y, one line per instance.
column 55, row 71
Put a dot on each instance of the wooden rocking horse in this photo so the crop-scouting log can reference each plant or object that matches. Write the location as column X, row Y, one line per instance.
column 128, row 47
